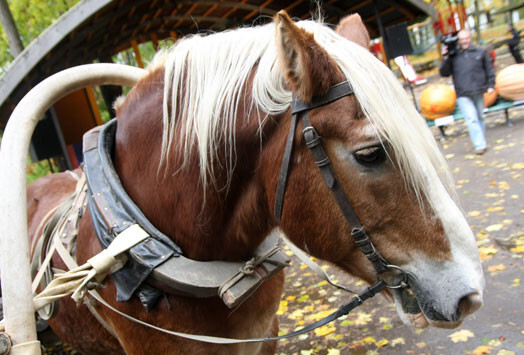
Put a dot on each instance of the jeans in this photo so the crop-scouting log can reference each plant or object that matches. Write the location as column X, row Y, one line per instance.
column 472, row 107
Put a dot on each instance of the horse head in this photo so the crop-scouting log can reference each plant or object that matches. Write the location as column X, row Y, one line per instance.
column 200, row 143
column 391, row 171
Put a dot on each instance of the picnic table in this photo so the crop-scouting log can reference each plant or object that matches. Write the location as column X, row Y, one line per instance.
column 499, row 105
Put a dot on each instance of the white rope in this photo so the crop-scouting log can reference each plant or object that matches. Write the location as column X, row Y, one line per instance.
column 312, row 265
column 97, row 268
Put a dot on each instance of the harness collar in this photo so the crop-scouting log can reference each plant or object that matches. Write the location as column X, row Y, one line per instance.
column 158, row 260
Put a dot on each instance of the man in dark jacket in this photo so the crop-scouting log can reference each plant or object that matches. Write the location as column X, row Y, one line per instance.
column 473, row 75
column 513, row 44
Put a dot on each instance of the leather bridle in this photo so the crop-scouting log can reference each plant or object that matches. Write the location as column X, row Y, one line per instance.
column 300, row 110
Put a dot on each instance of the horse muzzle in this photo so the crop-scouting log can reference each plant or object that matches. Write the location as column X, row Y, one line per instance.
column 421, row 308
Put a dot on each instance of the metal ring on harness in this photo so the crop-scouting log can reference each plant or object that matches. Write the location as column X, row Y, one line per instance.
column 403, row 283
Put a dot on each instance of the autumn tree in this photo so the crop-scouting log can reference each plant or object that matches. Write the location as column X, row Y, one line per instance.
column 32, row 17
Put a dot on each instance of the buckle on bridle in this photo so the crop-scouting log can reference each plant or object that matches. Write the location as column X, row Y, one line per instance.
column 315, row 138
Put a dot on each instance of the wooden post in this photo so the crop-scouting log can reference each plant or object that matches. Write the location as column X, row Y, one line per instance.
column 15, row 44
column 382, row 33
column 137, row 54
column 477, row 21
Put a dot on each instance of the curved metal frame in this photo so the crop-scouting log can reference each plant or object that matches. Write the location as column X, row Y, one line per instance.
column 16, row 278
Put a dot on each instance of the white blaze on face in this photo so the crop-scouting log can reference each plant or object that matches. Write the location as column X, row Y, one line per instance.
column 463, row 244
column 441, row 285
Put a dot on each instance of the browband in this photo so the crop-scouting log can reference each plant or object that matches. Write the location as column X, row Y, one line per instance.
column 334, row 93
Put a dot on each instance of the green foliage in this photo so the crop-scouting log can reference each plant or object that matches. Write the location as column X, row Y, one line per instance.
column 32, row 17
column 37, row 170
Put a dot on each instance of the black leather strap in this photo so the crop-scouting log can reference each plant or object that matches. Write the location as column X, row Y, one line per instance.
column 359, row 234
column 313, row 141
column 297, row 106
column 342, row 311
column 334, row 93
column 284, row 170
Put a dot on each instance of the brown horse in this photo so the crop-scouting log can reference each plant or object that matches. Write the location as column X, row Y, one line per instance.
column 199, row 146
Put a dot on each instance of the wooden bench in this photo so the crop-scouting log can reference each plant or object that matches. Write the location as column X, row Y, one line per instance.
column 500, row 105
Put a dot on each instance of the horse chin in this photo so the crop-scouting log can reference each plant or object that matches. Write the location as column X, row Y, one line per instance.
column 412, row 315
column 409, row 309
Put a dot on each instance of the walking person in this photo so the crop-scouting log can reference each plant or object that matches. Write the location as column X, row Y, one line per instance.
column 513, row 44
column 473, row 74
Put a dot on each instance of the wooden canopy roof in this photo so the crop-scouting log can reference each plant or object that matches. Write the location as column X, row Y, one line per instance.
column 98, row 29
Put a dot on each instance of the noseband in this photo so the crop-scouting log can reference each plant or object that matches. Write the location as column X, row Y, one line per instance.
column 300, row 110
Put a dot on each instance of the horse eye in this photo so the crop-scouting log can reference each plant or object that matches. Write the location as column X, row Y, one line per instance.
column 371, row 155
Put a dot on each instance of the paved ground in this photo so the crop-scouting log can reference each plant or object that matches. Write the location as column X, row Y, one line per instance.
column 491, row 191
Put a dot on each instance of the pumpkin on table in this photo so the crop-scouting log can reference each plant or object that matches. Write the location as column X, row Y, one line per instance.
column 437, row 100
column 510, row 82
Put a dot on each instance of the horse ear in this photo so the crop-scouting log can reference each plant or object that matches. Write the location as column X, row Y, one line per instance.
column 307, row 67
column 353, row 29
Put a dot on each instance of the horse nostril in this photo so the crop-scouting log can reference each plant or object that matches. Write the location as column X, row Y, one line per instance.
column 469, row 304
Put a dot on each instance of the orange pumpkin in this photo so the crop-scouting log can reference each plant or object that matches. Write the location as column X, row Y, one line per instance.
column 489, row 99
column 510, row 82
column 437, row 100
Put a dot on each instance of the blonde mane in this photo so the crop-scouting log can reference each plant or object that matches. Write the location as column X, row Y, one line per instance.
column 211, row 72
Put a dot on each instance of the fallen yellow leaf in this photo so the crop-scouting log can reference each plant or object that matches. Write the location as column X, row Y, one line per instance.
column 282, row 308
column 495, row 209
column 474, row 213
column 333, row 351
column 503, row 185
column 482, row 235
column 461, row 336
column 325, row 330
column 518, row 166
column 368, row 340
column 516, row 283
column 401, row 341
column 421, row 345
column 505, row 352
column 296, row 314
column 362, row 318
column 482, row 350
column 495, row 268
column 494, row 227
column 518, row 249
column 382, row 343
column 318, row 316
column 484, row 252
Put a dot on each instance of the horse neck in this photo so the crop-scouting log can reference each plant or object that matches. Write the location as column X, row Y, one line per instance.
column 220, row 224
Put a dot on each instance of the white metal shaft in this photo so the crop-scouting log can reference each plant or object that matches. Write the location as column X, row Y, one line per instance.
column 15, row 268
